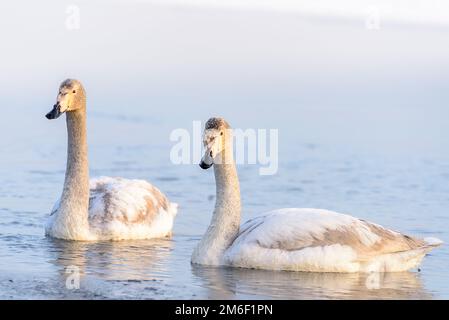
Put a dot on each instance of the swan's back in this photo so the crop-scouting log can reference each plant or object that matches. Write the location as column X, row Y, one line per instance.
column 322, row 240
column 129, row 209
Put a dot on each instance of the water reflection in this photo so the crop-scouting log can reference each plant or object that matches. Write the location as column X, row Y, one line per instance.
column 123, row 260
column 108, row 269
column 142, row 269
column 233, row 283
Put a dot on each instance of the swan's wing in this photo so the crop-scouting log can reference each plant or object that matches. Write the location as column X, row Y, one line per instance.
column 127, row 202
column 290, row 233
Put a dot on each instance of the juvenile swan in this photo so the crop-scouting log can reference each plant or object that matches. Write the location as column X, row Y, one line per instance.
column 106, row 208
column 293, row 239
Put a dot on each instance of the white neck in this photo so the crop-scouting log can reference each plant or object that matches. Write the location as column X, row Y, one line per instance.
column 72, row 216
column 225, row 223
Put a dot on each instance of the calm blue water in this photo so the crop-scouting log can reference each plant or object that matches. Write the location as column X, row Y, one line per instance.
column 363, row 127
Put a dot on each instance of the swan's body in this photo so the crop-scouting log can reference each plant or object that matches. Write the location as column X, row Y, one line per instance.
column 121, row 209
column 322, row 241
column 310, row 240
column 105, row 208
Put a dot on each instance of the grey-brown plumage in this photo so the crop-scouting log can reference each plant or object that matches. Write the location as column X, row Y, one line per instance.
column 217, row 123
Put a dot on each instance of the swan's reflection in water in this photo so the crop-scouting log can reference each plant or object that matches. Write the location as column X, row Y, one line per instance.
column 122, row 260
column 160, row 269
column 110, row 269
column 234, row 283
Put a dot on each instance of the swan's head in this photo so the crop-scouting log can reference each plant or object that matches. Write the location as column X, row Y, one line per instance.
column 71, row 93
column 215, row 138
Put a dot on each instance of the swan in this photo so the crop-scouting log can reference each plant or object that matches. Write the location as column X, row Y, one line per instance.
column 104, row 208
column 293, row 239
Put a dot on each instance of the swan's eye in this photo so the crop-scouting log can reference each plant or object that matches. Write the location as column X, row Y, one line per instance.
column 74, row 91
column 221, row 133
column 210, row 154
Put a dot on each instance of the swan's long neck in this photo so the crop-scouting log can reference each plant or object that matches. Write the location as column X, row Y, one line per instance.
column 73, row 212
column 225, row 223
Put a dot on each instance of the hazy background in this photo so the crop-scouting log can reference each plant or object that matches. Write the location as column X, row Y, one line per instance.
column 199, row 58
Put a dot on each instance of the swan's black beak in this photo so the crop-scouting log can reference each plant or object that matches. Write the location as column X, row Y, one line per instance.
column 204, row 165
column 55, row 113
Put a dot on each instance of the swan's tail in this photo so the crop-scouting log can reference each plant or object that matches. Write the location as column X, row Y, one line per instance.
column 433, row 242
column 174, row 209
